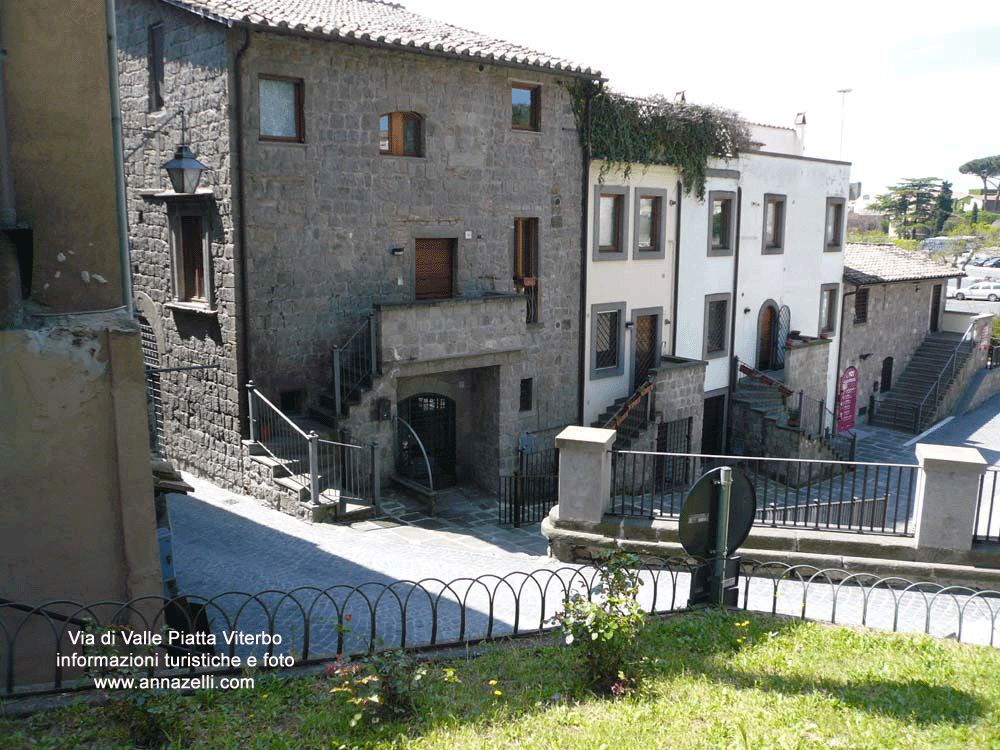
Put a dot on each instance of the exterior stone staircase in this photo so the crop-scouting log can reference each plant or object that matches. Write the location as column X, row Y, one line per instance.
column 899, row 409
column 630, row 416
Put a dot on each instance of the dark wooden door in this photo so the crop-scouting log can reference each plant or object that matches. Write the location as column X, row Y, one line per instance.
column 885, row 382
column 435, row 268
column 645, row 348
column 935, row 307
column 765, row 344
column 713, row 425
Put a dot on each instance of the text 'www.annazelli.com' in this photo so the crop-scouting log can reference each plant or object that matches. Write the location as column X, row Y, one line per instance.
column 201, row 682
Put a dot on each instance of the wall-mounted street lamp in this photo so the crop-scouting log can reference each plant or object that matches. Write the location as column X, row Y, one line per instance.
column 184, row 170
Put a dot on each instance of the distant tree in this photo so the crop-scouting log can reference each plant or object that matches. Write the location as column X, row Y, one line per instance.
column 911, row 205
column 986, row 168
column 975, row 213
column 943, row 207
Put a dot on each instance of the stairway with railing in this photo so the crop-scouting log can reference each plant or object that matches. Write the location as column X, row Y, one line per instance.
column 792, row 410
column 914, row 401
column 354, row 369
column 329, row 480
column 630, row 416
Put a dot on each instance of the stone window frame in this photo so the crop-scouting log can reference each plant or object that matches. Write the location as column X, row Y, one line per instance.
column 861, row 304
column 298, row 89
column 155, row 66
column 831, row 293
column 535, row 106
column 619, row 367
column 396, row 128
column 527, row 244
column 711, row 299
column 837, row 225
column 181, row 257
column 659, row 248
column 767, row 247
column 619, row 250
column 727, row 197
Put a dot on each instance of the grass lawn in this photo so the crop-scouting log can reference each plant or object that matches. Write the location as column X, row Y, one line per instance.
column 711, row 680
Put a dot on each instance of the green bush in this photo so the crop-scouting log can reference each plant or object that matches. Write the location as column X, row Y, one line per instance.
column 604, row 628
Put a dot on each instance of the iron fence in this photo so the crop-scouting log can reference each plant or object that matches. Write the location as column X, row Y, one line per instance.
column 987, row 528
column 526, row 499
column 348, row 473
column 795, row 493
column 310, row 624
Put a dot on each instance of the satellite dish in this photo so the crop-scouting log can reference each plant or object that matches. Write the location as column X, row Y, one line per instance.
column 698, row 523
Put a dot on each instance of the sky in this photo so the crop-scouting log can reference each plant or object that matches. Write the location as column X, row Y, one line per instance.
column 924, row 77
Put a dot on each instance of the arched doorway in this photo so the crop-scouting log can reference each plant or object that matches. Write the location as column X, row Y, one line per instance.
column 767, row 333
column 885, row 382
column 432, row 417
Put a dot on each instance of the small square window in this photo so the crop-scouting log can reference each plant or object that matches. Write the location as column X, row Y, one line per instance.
column 526, row 393
column 720, row 223
column 774, row 224
column 154, row 65
column 834, row 225
column 526, row 106
column 281, row 115
column 401, row 134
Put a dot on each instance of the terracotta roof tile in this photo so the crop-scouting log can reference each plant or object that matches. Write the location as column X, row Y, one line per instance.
column 882, row 263
column 381, row 22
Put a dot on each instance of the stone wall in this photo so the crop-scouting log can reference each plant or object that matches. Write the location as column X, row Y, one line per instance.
column 806, row 367
column 680, row 394
column 201, row 407
column 898, row 321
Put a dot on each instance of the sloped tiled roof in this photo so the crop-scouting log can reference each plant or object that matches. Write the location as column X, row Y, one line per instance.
column 880, row 264
column 375, row 22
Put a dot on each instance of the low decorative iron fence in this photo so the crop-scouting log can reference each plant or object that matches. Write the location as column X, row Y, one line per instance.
column 987, row 528
column 42, row 645
column 795, row 493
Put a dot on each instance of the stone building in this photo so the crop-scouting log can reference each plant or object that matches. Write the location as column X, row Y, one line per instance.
column 372, row 176
column 897, row 335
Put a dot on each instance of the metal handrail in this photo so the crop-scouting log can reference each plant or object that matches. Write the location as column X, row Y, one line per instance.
column 427, row 461
column 935, row 389
column 348, row 376
column 625, row 409
column 254, row 392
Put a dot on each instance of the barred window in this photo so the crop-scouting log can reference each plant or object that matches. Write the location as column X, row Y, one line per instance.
column 716, row 324
column 861, row 306
column 607, row 339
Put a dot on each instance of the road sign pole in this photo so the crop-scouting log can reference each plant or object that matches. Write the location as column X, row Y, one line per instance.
column 722, row 530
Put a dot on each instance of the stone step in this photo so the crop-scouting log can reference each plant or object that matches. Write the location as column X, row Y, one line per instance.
column 327, row 510
column 279, row 467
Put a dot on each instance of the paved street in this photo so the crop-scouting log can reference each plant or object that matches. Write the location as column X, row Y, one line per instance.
column 225, row 542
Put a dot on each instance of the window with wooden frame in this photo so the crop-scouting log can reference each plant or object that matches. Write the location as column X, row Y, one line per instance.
column 526, row 263
column 607, row 335
column 401, row 134
column 650, row 229
column 828, row 308
column 834, row 225
column 281, row 109
column 526, row 106
column 434, row 268
column 721, row 222
column 861, row 306
column 154, row 67
column 774, row 224
column 190, row 254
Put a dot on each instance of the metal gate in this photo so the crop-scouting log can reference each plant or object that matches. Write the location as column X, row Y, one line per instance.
column 432, row 418
column 532, row 491
column 673, row 437
column 154, row 395
column 784, row 326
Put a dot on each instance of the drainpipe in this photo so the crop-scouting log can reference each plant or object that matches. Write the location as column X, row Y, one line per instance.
column 118, row 150
column 732, row 323
column 242, row 320
column 840, row 349
column 8, row 208
column 677, row 271
column 585, row 181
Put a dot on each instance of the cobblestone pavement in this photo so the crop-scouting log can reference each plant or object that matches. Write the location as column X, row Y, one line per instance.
column 225, row 542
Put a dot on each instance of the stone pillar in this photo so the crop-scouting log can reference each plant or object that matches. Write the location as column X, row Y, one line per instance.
column 584, row 473
column 947, row 496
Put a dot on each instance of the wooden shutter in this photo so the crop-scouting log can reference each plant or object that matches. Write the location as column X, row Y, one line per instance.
column 434, row 268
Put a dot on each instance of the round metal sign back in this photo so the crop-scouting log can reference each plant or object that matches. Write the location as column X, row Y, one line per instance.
column 697, row 522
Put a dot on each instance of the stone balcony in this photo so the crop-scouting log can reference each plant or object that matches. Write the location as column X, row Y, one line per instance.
column 468, row 326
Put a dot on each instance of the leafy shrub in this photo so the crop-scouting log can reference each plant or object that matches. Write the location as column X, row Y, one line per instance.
column 385, row 686
column 604, row 628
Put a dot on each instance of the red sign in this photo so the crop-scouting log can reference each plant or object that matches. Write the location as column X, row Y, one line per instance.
column 848, row 399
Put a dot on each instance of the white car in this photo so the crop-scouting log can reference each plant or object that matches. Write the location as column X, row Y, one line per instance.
column 988, row 290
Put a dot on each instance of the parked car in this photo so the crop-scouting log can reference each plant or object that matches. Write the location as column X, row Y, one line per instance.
column 988, row 290
column 992, row 263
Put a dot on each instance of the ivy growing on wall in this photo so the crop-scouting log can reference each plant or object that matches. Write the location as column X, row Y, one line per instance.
column 625, row 131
